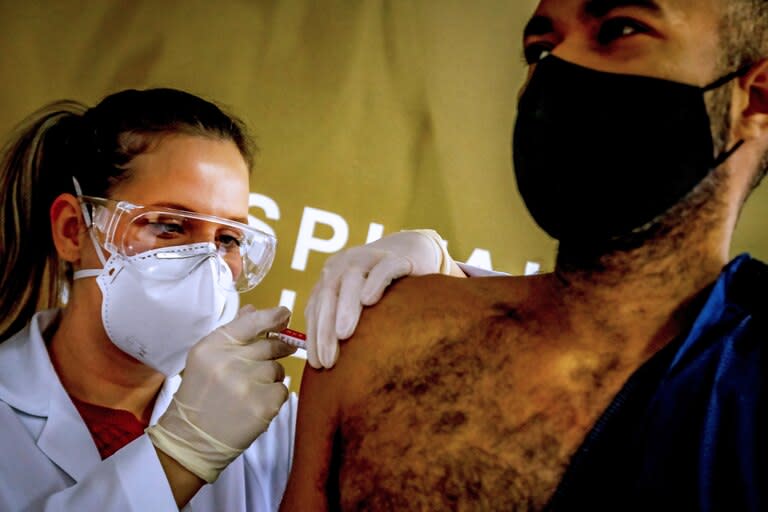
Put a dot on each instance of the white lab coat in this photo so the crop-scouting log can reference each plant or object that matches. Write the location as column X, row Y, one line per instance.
column 48, row 460
column 471, row 271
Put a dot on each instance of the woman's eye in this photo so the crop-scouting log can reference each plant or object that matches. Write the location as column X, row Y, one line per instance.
column 166, row 228
column 616, row 28
column 229, row 241
column 535, row 52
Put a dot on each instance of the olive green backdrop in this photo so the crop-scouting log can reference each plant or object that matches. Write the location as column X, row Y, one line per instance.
column 371, row 115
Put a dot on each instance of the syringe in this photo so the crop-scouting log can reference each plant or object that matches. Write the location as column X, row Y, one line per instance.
column 294, row 338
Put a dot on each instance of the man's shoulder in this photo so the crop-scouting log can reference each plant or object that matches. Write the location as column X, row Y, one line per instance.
column 434, row 292
column 418, row 314
column 428, row 307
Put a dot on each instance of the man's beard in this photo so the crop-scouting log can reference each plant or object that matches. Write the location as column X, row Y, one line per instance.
column 701, row 209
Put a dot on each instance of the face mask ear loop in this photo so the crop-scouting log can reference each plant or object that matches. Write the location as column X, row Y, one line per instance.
column 88, row 222
column 725, row 155
column 727, row 78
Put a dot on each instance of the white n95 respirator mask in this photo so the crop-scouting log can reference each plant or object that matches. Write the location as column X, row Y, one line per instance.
column 164, row 285
column 156, row 305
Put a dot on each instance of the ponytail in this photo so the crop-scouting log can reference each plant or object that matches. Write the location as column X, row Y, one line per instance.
column 35, row 167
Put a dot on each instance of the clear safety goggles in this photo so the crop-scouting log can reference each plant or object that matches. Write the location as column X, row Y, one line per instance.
column 131, row 229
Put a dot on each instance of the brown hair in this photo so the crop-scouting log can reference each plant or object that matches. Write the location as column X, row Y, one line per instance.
column 96, row 145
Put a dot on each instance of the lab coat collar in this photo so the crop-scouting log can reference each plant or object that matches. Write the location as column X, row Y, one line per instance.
column 29, row 383
column 163, row 399
column 27, row 374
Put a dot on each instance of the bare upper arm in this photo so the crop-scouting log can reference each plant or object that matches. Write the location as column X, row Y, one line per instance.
column 311, row 485
column 321, row 398
column 313, row 448
column 391, row 329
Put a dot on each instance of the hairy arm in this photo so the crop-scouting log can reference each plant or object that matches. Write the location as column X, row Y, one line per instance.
column 388, row 332
column 313, row 483
column 316, row 425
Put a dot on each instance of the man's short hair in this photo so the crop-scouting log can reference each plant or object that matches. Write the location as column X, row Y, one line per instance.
column 744, row 41
column 743, row 32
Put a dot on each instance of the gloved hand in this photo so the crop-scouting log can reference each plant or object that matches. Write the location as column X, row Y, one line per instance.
column 358, row 277
column 230, row 392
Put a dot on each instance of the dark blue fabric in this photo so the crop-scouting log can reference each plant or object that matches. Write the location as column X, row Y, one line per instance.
column 687, row 431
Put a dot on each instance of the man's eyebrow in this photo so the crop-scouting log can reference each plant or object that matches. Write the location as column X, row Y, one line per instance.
column 538, row 26
column 599, row 8
column 541, row 25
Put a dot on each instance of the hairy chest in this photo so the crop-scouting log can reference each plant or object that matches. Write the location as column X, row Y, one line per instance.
column 488, row 420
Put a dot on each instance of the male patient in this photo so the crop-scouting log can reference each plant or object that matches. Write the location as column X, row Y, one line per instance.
column 631, row 377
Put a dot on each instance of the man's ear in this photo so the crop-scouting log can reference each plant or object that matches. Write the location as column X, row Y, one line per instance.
column 67, row 226
column 753, row 103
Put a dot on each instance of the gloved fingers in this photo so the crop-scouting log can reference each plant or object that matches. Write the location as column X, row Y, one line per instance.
column 264, row 350
column 327, row 343
column 310, row 317
column 379, row 278
column 252, row 323
column 271, row 398
column 332, row 268
column 278, row 372
column 364, row 257
column 348, row 307
column 263, row 372
column 241, row 373
column 323, row 306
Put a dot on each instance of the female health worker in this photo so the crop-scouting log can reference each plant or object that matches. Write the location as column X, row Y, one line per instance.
column 134, row 213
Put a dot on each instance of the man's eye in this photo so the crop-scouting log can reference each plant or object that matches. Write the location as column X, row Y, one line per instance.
column 616, row 28
column 535, row 52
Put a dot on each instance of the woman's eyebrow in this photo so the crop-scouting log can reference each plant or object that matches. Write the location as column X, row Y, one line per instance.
column 178, row 206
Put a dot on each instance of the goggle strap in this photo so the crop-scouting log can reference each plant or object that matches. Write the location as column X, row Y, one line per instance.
column 83, row 207
column 88, row 221
column 99, row 250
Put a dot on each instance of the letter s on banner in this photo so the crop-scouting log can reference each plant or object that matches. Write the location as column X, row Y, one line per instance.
column 270, row 208
column 306, row 240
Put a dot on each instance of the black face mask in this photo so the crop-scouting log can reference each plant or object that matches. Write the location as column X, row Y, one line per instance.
column 599, row 154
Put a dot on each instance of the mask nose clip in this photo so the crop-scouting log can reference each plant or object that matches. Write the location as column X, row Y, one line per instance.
column 200, row 254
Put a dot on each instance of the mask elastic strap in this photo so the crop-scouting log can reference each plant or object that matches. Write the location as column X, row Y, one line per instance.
column 727, row 78
column 89, row 272
column 725, row 155
column 88, row 223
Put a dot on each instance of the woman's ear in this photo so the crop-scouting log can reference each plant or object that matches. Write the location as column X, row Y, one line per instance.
column 753, row 104
column 67, row 226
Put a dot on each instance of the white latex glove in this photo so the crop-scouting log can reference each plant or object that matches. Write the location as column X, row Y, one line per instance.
column 231, row 390
column 357, row 277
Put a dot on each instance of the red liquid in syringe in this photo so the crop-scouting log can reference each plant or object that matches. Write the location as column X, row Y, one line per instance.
column 294, row 338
